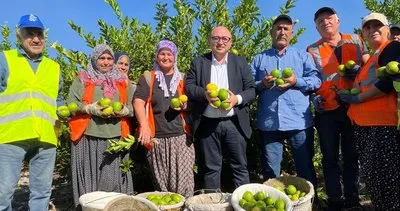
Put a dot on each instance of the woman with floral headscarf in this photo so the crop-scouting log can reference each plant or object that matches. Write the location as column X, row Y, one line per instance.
column 94, row 169
column 163, row 129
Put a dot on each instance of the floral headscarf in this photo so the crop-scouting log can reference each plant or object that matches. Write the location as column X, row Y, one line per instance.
column 177, row 76
column 106, row 80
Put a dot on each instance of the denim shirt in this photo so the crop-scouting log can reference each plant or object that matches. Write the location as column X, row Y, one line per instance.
column 34, row 63
column 288, row 109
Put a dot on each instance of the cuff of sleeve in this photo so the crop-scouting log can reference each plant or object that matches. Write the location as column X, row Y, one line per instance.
column 240, row 99
column 300, row 83
column 259, row 86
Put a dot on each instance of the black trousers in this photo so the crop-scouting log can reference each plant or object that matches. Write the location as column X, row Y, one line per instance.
column 214, row 139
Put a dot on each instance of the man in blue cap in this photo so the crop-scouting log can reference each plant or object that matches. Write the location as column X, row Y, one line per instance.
column 283, row 111
column 30, row 91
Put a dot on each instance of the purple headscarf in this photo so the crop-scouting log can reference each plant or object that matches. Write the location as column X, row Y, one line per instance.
column 106, row 80
column 177, row 76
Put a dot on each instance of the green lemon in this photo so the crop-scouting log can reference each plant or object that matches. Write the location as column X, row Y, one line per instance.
column 350, row 64
column 104, row 102
column 64, row 113
column 259, row 196
column 176, row 197
column 242, row 202
column 217, row 103
column 248, row 196
column 279, row 81
column 223, row 94
column 73, row 107
column 117, row 106
column 341, row 68
column 275, row 73
column 392, row 68
column 291, row 190
column 344, row 91
column 175, row 103
column 355, row 91
column 280, row 204
column 287, row 72
column 225, row 105
column 269, row 200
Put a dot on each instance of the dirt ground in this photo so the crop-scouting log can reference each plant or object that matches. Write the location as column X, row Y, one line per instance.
column 61, row 197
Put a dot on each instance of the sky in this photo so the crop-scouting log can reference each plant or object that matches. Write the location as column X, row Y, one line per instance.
column 55, row 15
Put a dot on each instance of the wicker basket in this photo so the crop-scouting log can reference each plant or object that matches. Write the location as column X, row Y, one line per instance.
column 130, row 203
column 96, row 201
column 304, row 203
column 172, row 207
column 209, row 202
column 254, row 188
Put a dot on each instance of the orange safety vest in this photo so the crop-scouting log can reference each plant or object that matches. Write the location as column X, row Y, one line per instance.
column 149, row 109
column 326, row 61
column 79, row 123
column 379, row 111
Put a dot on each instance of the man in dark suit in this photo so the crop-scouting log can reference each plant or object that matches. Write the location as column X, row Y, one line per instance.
column 219, row 131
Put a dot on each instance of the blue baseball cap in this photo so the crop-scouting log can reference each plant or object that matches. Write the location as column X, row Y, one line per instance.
column 31, row 20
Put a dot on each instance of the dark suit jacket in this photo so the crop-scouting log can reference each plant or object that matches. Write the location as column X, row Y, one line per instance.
column 240, row 82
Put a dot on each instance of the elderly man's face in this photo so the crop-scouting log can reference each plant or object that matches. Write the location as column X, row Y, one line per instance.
column 327, row 24
column 33, row 41
column 395, row 34
column 282, row 33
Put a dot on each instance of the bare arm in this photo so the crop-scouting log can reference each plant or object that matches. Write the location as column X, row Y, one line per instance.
column 140, row 113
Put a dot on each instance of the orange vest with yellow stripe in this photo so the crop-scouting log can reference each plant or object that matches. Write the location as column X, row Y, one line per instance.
column 79, row 123
column 326, row 61
column 379, row 111
column 149, row 109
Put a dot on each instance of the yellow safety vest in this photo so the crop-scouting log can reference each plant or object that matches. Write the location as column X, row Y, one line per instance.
column 28, row 105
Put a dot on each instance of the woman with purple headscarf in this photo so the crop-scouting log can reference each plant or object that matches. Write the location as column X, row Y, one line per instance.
column 172, row 157
column 93, row 169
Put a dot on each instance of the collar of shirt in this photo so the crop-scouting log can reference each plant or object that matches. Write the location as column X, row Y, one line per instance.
column 224, row 61
column 23, row 52
column 276, row 51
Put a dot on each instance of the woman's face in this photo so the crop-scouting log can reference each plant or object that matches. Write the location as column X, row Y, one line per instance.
column 105, row 62
column 123, row 64
column 165, row 59
column 375, row 33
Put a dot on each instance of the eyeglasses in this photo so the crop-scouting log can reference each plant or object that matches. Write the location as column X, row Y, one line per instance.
column 224, row 39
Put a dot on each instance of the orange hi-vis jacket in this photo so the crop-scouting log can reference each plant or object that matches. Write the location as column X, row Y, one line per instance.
column 379, row 111
column 150, row 76
column 326, row 61
column 79, row 123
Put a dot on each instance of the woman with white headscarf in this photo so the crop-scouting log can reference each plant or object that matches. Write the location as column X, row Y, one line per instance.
column 374, row 115
column 162, row 129
column 91, row 128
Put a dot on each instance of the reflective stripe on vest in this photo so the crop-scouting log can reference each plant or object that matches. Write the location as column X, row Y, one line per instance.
column 79, row 123
column 326, row 61
column 378, row 111
column 28, row 105
column 185, row 116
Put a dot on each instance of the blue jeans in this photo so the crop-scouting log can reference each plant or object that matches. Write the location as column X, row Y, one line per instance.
column 302, row 144
column 335, row 130
column 41, row 165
